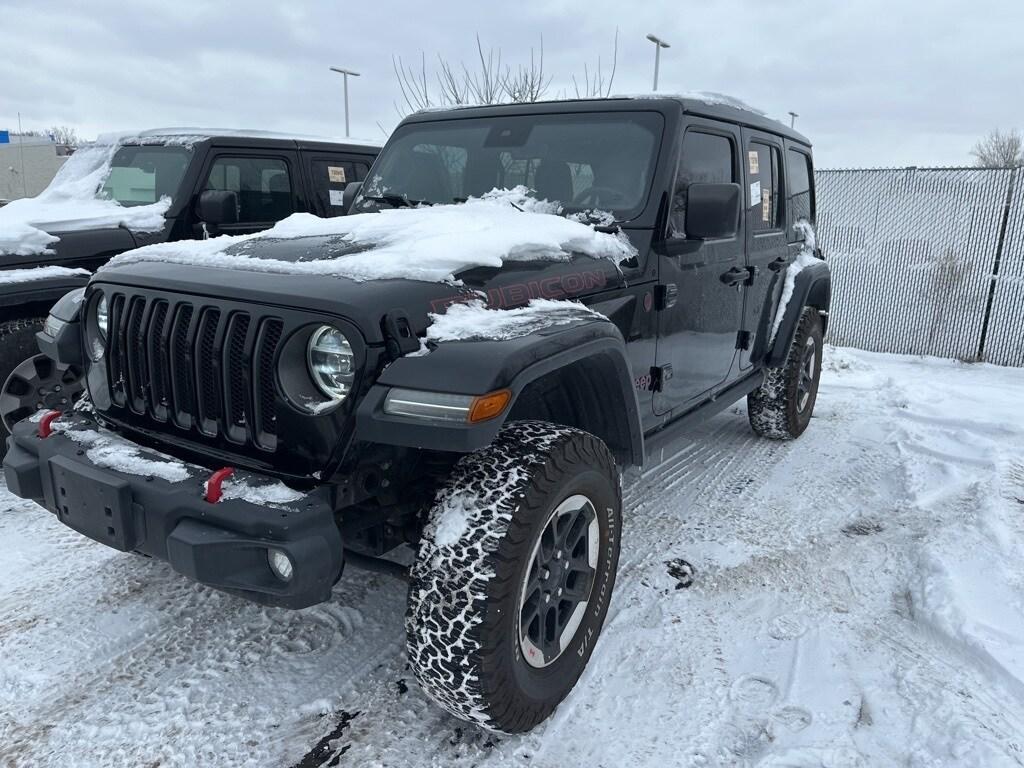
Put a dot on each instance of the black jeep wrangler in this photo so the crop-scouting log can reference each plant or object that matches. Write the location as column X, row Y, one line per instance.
column 213, row 182
column 351, row 430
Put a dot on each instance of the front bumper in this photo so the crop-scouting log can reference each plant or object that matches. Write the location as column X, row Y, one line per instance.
column 223, row 545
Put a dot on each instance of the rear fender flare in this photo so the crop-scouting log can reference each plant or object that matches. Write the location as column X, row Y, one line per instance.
column 812, row 288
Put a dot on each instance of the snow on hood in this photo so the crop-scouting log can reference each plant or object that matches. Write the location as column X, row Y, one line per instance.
column 428, row 243
column 9, row 276
column 473, row 320
column 70, row 204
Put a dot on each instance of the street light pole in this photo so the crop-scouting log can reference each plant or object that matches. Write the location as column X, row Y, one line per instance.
column 345, row 73
column 792, row 119
column 658, row 45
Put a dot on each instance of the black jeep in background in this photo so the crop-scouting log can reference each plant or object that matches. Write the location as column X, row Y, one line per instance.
column 497, row 460
column 219, row 182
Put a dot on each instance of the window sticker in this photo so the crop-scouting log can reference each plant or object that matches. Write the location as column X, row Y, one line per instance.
column 766, row 205
column 336, row 174
column 755, row 163
column 755, row 193
column 337, row 197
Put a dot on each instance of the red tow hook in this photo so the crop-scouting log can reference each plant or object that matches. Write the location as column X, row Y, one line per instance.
column 214, row 485
column 45, row 423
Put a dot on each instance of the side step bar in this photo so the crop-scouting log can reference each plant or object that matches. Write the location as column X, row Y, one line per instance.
column 656, row 443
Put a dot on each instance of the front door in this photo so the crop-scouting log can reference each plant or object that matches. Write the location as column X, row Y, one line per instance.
column 701, row 281
column 266, row 185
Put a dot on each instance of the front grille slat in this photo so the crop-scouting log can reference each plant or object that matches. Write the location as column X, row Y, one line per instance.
column 198, row 367
column 158, row 361
column 264, row 390
column 209, row 339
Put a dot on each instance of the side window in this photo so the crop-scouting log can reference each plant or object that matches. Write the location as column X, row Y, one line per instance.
column 330, row 177
column 706, row 157
column 798, row 178
column 362, row 170
column 262, row 184
column 764, row 166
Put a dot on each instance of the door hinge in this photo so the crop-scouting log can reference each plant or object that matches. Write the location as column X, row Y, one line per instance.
column 665, row 296
column 660, row 374
column 743, row 340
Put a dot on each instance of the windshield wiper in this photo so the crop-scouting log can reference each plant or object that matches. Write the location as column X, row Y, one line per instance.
column 398, row 201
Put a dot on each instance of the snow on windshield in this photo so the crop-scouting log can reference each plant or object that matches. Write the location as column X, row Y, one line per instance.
column 70, row 203
column 432, row 243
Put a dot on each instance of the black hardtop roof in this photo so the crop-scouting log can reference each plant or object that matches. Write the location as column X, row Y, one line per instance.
column 712, row 106
column 252, row 138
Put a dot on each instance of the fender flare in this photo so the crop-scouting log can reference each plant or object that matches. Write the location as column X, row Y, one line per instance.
column 812, row 288
column 486, row 365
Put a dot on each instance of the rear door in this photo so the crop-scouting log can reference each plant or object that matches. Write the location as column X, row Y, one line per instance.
column 768, row 251
column 268, row 186
column 700, row 292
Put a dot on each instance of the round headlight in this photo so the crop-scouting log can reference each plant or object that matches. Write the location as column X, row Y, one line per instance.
column 102, row 317
column 331, row 363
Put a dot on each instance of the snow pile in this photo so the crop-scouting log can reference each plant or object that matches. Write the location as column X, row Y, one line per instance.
column 263, row 494
column 803, row 260
column 106, row 449
column 8, row 276
column 473, row 320
column 424, row 243
column 70, row 203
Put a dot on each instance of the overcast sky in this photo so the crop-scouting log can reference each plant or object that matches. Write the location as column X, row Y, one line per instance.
column 875, row 82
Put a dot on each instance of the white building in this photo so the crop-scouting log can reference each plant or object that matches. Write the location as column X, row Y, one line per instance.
column 27, row 164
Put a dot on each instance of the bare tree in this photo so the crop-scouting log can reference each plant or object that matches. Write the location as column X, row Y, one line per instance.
column 64, row 134
column 999, row 150
column 490, row 81
column 594, row 84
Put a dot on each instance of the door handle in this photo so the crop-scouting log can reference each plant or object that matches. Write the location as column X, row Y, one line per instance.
column 777, row 265
column 734, row 276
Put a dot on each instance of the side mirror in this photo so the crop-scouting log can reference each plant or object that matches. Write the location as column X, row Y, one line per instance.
column 351, row 190
column 712, row 211
column 218, row 206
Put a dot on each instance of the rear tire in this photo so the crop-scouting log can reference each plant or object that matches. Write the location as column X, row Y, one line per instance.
column 513, row 576
column 781, row 408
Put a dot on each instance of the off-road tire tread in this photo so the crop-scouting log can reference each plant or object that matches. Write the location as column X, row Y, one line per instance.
column 457, row 591
column 771, row 408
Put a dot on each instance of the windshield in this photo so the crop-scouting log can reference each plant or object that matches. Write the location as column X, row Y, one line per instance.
column 583, row 161
column 143, row 175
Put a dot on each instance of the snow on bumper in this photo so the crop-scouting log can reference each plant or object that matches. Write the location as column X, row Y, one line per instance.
column 224, row 545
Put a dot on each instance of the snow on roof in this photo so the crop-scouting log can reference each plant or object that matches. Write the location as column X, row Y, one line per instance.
column 423, row 243
column 474, row 320
column 201, row 134
column 710, row 98
column 70, row 203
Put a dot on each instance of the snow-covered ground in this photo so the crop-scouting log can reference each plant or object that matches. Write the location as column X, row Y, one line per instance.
column 858, row 600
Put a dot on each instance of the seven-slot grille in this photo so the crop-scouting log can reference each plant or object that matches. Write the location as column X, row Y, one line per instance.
column 201, row 368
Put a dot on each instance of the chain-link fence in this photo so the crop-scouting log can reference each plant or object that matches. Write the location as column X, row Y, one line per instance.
column 926, row 261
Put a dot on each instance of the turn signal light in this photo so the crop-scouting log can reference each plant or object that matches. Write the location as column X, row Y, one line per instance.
column 488, row 406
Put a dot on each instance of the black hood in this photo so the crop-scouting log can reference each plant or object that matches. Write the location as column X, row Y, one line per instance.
column 76, row 246
column 365, row 303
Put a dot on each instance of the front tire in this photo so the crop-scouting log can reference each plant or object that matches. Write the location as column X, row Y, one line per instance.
column 781, row 408
column 513, row 576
